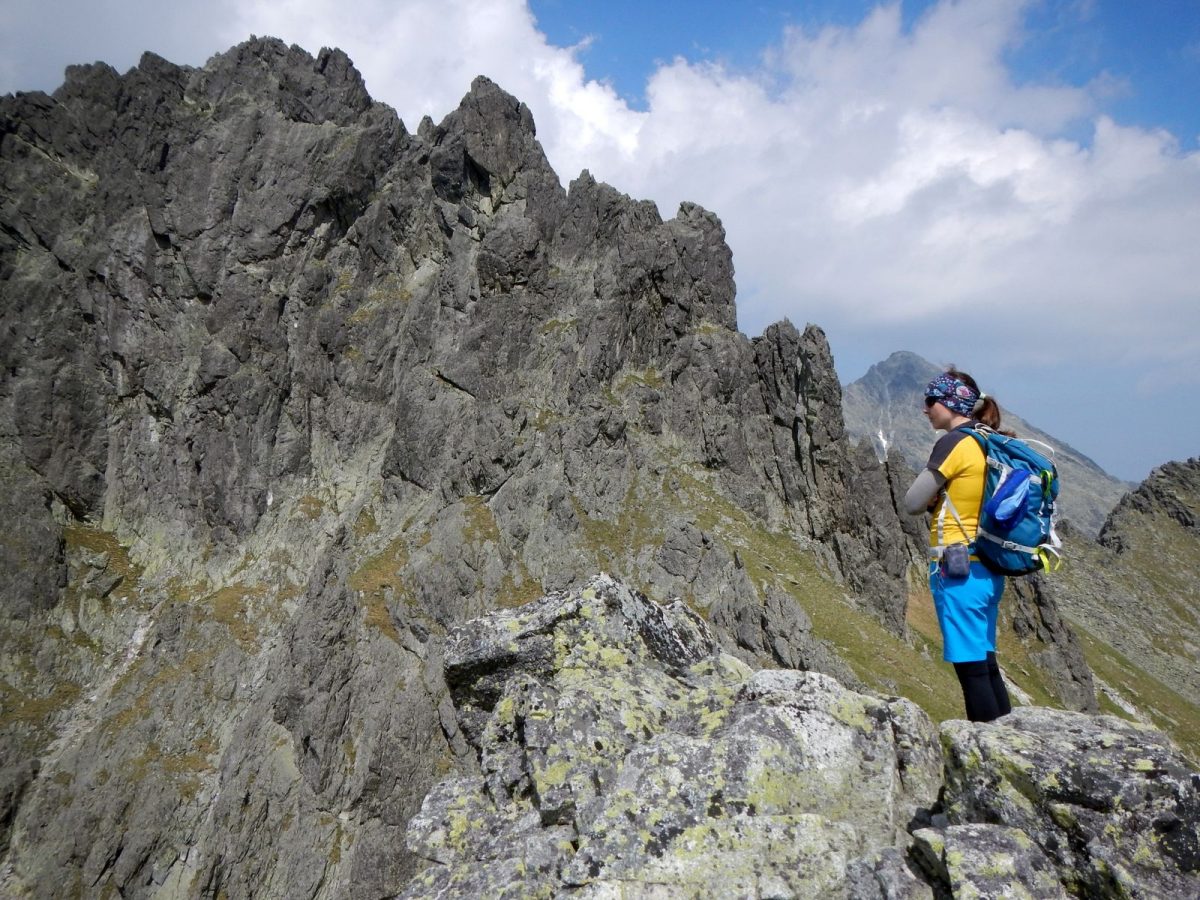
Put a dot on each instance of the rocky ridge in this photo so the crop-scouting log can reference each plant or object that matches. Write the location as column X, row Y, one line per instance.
column 289, row 392
column 1132, row 598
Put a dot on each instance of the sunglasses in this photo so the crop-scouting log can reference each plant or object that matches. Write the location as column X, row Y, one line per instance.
column 929, row 401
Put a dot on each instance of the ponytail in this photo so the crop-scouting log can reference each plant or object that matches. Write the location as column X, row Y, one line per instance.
column 987, row 410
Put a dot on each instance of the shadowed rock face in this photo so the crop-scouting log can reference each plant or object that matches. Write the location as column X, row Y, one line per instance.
column 287, row 392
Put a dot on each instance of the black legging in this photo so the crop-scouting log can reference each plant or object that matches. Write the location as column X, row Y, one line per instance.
column 983, row 689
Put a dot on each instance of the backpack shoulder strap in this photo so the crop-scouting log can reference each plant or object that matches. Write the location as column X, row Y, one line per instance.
column 979, row 432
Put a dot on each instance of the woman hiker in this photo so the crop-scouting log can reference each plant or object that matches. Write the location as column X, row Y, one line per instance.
column 965, row 593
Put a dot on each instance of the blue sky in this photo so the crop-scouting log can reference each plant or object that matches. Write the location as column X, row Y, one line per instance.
column 1151, row 50
column 1009, row 185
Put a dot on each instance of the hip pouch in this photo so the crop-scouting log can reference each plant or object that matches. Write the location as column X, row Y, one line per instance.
column 956, row 561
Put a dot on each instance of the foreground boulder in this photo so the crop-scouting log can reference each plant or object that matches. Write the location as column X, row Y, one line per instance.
column 620, row 750
column 622, row 754
column 1107, row 806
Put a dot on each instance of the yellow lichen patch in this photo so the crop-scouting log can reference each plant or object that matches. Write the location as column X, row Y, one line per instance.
column 936, row 841
column 230, row 606
column 1063, row 816
column 1146, row 853
column 480, row 524
column 612, row 658
column 773, row 792
column 378, row 578
column 850, row 710
column 552, row 775
column 999, row 865
column 460, row 826
column 712, row 719
column 310, row 507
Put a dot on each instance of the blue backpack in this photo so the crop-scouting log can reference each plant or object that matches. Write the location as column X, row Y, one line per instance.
column 1016, row 522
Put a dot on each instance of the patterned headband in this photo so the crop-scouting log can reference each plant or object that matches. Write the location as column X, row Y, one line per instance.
column 952, row 394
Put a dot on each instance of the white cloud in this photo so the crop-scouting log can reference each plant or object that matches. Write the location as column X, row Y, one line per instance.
column 866, row 175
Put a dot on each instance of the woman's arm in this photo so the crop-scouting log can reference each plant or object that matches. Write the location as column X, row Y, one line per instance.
column 922, row 492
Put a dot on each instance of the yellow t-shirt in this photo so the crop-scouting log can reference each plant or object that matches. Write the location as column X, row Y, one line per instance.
column 959, row 459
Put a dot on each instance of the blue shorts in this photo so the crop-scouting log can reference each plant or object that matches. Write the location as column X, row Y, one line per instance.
column 966, row 611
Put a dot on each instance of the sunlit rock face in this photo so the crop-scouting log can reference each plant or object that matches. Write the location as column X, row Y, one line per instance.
column 288, row 389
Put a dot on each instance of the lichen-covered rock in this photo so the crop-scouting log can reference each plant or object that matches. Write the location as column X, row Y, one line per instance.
column 1113, row 806
column 987, row 861
column 621, row 751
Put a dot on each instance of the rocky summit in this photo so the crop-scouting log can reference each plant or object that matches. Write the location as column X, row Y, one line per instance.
column 291, row 393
